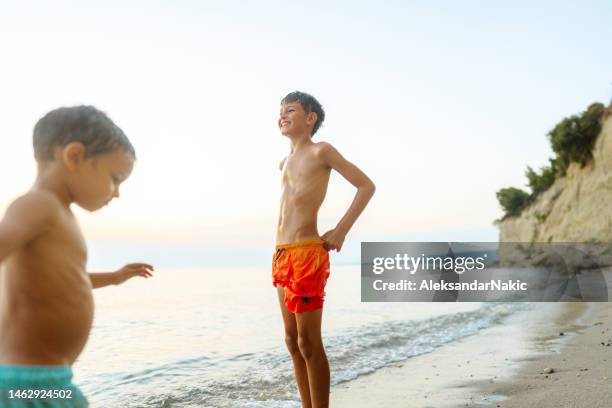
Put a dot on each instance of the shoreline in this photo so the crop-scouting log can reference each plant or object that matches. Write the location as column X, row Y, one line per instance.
column 582, row 368
column 501, row 366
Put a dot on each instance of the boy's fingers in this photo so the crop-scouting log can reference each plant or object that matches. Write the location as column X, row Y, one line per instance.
column 144, row 265
column 140, row 265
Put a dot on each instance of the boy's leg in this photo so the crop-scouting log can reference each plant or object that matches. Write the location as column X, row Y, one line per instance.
column 311, row 348
column 291, row 339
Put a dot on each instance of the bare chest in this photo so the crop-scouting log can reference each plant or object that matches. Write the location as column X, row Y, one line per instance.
column 62, row 247
column 299, row 170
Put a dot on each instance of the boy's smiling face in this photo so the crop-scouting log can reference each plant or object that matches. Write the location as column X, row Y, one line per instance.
column 95, row 181
column 294, row 120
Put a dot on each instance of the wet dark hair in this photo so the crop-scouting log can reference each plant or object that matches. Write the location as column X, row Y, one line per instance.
column 84, row 124
column 309, row 103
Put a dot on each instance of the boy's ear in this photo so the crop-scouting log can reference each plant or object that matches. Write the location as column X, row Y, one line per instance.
column 72, row 155
column 312, row 118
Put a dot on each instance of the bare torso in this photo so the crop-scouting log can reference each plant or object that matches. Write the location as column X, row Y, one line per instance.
column 304, row 184
column 46, row 302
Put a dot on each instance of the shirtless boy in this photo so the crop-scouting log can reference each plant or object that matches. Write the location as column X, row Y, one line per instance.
column 46, row 303
column 301, row 263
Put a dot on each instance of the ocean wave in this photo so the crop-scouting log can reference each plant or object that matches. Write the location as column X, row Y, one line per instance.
column 265, row 379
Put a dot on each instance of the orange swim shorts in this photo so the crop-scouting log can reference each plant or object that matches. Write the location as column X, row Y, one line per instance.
column 302, row 268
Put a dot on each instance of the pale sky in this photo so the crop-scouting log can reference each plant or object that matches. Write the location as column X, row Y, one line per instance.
column 440, row 104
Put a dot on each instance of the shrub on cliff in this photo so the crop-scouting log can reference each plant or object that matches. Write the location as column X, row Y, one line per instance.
column 512, row 200
column 539, row 182
column 573, row 138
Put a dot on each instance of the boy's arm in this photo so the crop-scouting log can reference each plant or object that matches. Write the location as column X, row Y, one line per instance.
column 25, row 219
column 365, row 190
column 101, row 279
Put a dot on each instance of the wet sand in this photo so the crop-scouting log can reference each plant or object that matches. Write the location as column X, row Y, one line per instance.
column 504, row 366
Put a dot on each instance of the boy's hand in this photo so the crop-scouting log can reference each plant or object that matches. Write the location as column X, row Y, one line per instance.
column 131, row 270
column 333, row 240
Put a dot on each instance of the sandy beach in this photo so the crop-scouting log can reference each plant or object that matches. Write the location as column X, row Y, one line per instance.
column 557, row 355
column 582, row 368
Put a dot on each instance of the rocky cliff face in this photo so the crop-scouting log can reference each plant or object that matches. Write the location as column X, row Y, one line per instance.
column 576, row 208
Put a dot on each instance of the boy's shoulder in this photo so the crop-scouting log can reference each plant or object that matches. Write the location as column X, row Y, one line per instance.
column 320, row 150
column 322, row 147
column 36, row 203
column 324, row 150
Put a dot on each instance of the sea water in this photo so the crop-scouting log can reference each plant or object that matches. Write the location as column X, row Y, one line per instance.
column 214, row 338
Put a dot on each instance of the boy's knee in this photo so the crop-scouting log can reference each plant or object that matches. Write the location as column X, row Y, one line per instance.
column 308, row 346
column 292, row 343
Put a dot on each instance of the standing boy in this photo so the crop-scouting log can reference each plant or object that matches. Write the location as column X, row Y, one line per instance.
column 301, row 263
column 46, row 302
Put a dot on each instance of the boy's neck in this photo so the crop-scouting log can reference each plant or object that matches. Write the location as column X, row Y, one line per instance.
column 48, row 179
column 300, row 141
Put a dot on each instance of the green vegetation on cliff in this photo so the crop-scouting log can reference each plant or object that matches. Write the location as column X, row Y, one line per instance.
column 572, row 140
